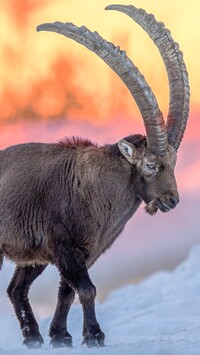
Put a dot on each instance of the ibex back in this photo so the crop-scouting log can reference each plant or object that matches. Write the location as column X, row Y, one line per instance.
column 66, row 203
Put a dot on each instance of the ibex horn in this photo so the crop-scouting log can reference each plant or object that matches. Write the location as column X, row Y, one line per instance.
column 126, row 70
column 175, row 66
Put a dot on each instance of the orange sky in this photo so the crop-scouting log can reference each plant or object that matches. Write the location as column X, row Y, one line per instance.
column 46, row 75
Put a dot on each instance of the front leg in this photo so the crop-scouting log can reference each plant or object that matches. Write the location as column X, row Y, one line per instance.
column 58, row 330
column 92, row 334
column 74, row 272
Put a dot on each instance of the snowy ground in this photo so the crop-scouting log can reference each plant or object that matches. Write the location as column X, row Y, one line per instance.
column 160, row 316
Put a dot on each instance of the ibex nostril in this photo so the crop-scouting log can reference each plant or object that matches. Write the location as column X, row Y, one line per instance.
column 174, row 201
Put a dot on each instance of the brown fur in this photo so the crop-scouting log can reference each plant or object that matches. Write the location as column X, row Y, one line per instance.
column 65, row 204
column 76, row 142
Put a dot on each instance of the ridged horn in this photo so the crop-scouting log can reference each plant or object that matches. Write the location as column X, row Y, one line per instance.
column 175, row 66
column 126, row 70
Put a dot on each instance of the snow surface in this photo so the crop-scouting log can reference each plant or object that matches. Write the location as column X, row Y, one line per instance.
column 160, row 316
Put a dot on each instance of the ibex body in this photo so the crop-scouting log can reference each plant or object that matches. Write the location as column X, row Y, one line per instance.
column 66, row 203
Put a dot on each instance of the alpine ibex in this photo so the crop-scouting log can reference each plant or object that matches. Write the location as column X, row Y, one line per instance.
column 66, row 203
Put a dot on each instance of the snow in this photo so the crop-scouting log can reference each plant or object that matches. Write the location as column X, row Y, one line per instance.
column 159, row 316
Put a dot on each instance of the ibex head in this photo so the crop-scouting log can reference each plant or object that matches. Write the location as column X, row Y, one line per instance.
column 156, row 157
column 155, row 182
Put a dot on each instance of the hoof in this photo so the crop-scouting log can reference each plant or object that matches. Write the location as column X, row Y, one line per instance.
column 33, row 341
column 94, row 340
column 61, row 341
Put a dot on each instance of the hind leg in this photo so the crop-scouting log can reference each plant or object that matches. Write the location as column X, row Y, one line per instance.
column 58, row 330
column 74, row 272
column 18, row 294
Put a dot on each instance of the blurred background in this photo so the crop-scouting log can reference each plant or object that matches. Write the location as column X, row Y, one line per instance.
column 52, row 87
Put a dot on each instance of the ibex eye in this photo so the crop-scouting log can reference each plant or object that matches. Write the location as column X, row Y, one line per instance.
column 151, row 166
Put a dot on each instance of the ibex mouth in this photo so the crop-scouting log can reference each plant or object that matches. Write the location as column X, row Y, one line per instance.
column 163, row 207
column 153, row 206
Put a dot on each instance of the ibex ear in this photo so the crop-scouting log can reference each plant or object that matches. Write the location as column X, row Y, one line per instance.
column 128, row 150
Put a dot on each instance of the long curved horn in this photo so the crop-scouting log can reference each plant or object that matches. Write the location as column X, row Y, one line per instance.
column 175, row 66
column 131, row 76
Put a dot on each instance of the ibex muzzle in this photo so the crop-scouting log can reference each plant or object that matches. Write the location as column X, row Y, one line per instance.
column 66, row 203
